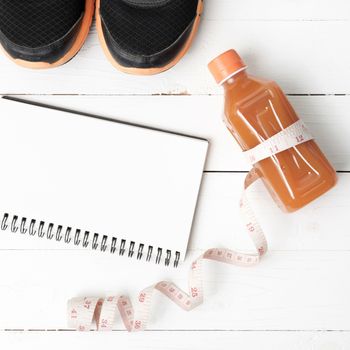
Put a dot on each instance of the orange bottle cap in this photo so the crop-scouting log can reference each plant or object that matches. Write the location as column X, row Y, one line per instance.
column 226, row 66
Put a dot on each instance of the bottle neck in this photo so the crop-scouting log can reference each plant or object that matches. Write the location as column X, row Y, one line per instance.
column 242, row 74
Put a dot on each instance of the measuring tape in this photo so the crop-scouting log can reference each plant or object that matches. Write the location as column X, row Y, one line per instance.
column 83, row 312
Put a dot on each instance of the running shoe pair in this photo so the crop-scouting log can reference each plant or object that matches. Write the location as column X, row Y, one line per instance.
column 137, row 36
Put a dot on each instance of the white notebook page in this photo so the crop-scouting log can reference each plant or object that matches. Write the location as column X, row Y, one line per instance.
column 100, row 176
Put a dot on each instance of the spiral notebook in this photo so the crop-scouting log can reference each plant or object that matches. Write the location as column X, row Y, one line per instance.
column 97, row 183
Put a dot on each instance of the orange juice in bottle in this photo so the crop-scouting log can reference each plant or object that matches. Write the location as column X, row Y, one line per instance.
column 257, row 109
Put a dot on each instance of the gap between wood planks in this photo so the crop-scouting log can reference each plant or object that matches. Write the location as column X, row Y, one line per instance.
column 182, row 93
column 246, row 171
column 192, row 330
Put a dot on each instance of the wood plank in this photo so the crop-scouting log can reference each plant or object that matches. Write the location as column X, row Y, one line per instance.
column 275, row 10
column 288, row 291
column 177, row 340
column 279, row 50
column 319, row 226
column 327, row 117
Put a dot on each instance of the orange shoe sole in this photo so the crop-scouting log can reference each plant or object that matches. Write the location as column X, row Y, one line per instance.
column 78, row 43
column 146, row 71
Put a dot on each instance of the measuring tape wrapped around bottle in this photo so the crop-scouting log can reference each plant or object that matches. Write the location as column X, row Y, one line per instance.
column 83, row 312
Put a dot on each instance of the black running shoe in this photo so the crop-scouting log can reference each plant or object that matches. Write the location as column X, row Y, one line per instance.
column 146, row 36
column 44, row 33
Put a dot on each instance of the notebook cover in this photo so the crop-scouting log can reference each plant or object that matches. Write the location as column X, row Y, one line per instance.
column 92, row 174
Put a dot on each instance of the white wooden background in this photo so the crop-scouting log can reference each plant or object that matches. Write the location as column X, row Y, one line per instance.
column 298, row 297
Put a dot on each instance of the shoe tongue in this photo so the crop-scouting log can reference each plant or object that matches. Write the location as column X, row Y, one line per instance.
column 147, row 3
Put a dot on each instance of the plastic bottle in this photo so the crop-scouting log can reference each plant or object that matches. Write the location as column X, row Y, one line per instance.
column 255, row 110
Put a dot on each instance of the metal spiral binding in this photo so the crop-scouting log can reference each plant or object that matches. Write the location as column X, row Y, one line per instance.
column 80, row 238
